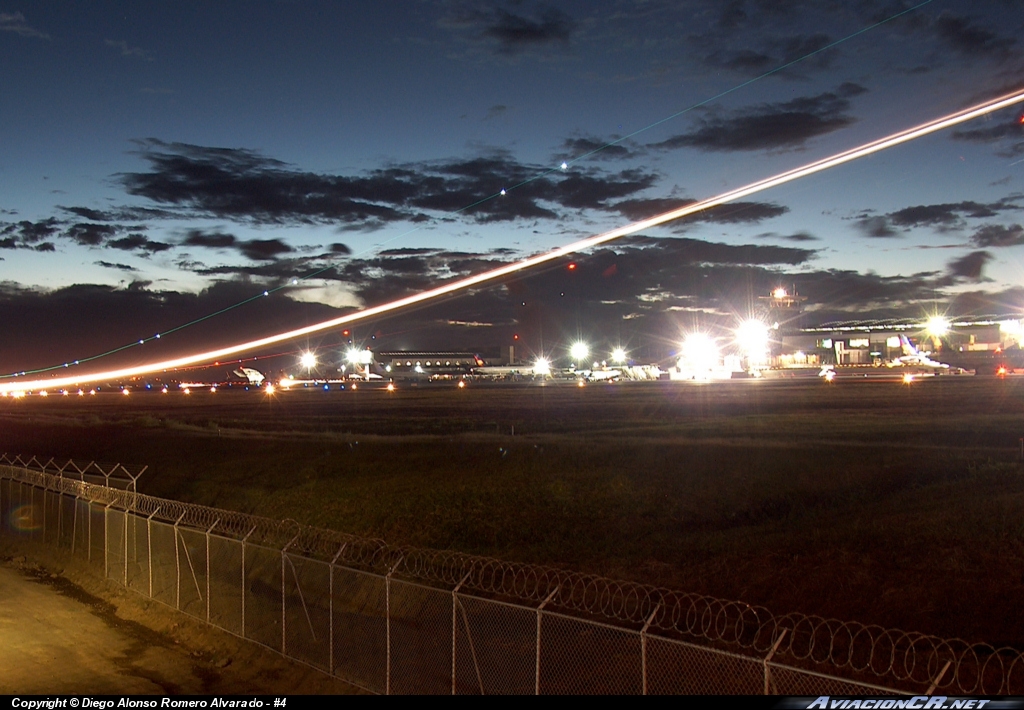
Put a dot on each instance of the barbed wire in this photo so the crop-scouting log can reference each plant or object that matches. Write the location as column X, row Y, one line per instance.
column 871, row 650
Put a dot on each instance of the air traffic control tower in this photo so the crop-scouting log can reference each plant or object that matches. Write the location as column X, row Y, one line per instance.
column 784, row 309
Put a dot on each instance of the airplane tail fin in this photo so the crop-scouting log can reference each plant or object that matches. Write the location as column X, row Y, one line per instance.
column 908, row 349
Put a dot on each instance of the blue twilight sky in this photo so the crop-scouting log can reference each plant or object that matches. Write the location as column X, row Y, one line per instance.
column 163, row 161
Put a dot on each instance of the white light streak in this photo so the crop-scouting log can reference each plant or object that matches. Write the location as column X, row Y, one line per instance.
column 461, row 284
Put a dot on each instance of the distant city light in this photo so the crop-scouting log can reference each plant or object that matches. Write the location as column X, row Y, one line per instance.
column 579, row 351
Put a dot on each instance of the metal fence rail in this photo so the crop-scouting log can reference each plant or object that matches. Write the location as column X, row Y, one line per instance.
column 411, row 620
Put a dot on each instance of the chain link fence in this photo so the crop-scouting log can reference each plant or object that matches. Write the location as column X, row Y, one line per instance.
column 409, row 620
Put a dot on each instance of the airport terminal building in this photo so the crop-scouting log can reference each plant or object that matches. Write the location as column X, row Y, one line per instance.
column 866, row 342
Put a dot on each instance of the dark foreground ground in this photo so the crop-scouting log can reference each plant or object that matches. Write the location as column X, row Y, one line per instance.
column 873, row 501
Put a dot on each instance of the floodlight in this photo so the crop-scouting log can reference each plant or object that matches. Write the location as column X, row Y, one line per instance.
column 542, row 366
column 700, row 351
column 618, row 355
column 308, row 360
column 579, row 351
column 752, row 338
column 937, row 326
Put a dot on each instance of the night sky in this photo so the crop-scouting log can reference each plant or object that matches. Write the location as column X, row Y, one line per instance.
column 161, row 162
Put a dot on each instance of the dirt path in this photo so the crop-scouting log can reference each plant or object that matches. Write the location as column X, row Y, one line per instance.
column 57, row 637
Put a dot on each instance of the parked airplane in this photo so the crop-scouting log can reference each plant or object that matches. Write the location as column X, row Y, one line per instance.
column 600, row 375
column 505, row 371
column 255, row 377
column 912, row 357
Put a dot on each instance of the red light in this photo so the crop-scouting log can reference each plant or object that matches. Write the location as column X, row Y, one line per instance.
column 572, row 267
column 515, row 337
column 344, row 332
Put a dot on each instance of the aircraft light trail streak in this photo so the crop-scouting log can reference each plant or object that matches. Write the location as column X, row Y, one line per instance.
column 461, row 284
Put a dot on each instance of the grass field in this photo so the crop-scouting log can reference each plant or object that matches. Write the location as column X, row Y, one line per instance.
column 874, row 501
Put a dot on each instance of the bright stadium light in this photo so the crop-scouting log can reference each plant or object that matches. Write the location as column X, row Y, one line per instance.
column 700, row 351
column 752, row 339
column 937, row 326
column 579, row 351
column 619, row 355
column 542, row 366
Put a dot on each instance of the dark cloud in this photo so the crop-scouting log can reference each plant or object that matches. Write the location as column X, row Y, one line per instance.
column 797, row 237
column 998, row 235
column 243, row 185
column 743, row 61
column 339, row 248
column 596, row 148
column 119, row 267
column 943, row 217
column 590, row 191
column 1007, row 132
column 516, row 32
column 730, row 213
column 26, row 232
column 263, row 249
column 88, row 234
column 212, row 240
column 970, row 267
column 141, row 242
column 785, row 124
column 89, row 213
column 495, row 111
column 959, row 34
column 793, row 48
column 877, row 227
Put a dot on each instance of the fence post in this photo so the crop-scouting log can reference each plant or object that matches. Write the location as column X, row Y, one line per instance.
column 387, row 617
column 330, row 610
column 643, row 645
column 215, row 524
column 454, row 627
column 243, row 576
column 177, row 566
column 539, row 610
column 284, row 620
column 149, row 548
column 125, row 534
column 105, row 536
column 767, row 670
